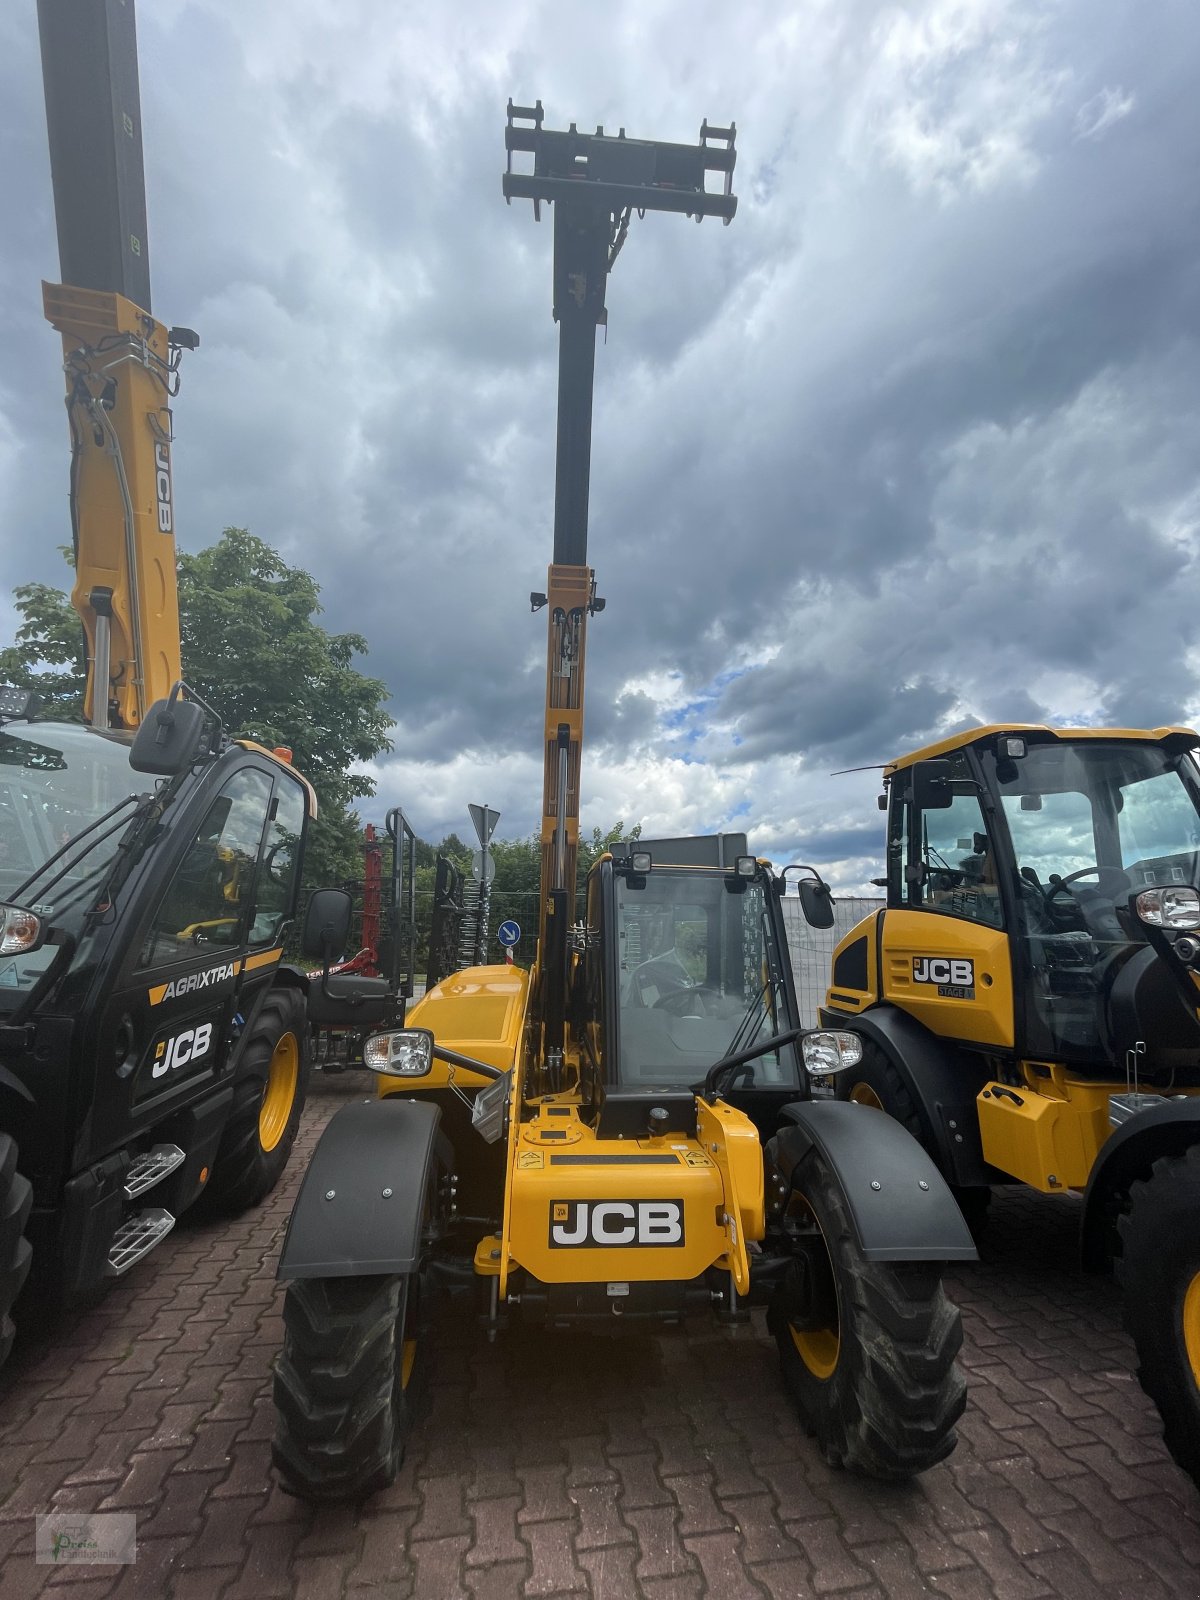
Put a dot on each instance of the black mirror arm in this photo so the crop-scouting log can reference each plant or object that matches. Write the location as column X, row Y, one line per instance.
column 712, row 1078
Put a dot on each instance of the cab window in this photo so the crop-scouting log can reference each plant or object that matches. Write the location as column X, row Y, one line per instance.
column 275, row 896
column 951, row 865
column 211, row 892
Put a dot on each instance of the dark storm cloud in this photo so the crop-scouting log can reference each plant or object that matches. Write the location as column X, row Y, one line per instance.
column 907, row 447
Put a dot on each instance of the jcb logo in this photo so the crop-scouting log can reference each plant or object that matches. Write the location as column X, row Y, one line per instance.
column 600, row 1223
column 183, row 1047
column 959, row 974
column 162, row 484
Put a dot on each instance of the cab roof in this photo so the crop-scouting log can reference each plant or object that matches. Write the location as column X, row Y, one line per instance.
column 1038, row 732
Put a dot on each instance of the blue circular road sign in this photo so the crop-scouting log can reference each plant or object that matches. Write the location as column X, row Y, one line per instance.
column 509, row 933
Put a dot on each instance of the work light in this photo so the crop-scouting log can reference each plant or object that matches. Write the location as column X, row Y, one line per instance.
column 406, row 1053
column 1169, row 908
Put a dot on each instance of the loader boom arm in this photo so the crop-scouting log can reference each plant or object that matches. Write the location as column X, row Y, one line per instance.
column 121, row 364
column 595, row 182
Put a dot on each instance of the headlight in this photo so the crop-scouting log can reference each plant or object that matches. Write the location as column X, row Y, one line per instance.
column 19, row 930
column 830, row 1052
column 1169, row 908
column 408, row 1053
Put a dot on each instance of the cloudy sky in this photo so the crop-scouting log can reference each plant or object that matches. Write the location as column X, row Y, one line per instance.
column 912, row 444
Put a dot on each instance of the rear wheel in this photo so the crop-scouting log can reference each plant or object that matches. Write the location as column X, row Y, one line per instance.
column 867, row 1348
column 344, row 1383
column 1159, row 1273
column 16, row 1198
column 268, row 1099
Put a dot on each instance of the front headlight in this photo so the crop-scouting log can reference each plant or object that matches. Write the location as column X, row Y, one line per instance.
column 20, row 930
column 830, row 1052
column 1169, row 908
column 407, row 1053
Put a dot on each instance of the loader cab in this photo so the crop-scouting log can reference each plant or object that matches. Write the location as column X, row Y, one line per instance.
column 683, row 965
column 1045, row 841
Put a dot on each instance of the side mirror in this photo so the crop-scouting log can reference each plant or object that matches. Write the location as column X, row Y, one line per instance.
column 175, row 734
column 816, row 902
column 931, row 785
column 326, row 924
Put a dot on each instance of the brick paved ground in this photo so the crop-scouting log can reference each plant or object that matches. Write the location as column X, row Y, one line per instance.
column 568, row 1464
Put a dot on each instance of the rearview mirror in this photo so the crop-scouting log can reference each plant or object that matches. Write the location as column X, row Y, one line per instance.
column 816, row 902
column 931, row 785
column 326, row 925
column 174, row 735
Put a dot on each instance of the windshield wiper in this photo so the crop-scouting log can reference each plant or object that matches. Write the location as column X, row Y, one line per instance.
column 85, row 837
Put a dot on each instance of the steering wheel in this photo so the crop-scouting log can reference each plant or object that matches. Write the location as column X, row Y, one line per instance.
column 697, row 1002
column 1109, row 880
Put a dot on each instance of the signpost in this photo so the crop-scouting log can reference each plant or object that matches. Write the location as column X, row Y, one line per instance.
column 509, row 934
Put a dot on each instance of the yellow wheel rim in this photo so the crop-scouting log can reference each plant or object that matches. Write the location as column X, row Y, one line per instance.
column 282, row 1076
column 407, row 1357
column 1191, row 1327
column 863, row 1094
column 818, row 1348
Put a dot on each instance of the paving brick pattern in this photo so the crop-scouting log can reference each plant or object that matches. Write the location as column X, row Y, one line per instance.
column 667, row 1466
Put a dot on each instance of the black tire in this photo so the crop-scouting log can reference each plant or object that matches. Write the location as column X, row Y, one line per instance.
column 343, row 1385
column 875, row 1382
column 876, row 1081
column 1159, row 1274
column 249, row 1162
column 16, row 1198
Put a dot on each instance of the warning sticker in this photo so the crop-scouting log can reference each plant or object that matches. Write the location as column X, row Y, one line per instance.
column 697, row 1158
column 530, row 1158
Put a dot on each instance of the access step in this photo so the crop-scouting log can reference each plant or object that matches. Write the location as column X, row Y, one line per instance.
column 136, row 1237
column 152, row 1168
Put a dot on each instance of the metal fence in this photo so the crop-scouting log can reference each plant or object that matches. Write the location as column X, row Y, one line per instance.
column 812, row 948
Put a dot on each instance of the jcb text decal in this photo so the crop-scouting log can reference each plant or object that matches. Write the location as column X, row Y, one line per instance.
column 181, row 1048
column 193, row 981
column 954, row 977
column 592, row 1224
column 162, row 484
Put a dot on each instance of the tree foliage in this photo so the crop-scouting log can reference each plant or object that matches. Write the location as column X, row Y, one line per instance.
column 253, row 649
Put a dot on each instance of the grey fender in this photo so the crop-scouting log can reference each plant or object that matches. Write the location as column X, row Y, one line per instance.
column 942, row 1080
column 899, row 1204
column 1128, row 1154
column 364, row 1197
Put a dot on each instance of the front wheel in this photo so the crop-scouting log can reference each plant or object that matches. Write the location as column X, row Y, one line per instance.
column 272, row 1082
column 1159, row 1273
column 867, row 1348
column 343, row 1384
column 16, row 1198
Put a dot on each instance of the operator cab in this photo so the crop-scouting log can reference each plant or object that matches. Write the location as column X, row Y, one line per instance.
column 697, row 971
column 1050, row 838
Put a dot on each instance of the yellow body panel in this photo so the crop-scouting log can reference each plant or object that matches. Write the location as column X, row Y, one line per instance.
column 1043, row 1141
column 848, row 996
column 125, row 546
column 479, row 1012
column 984, row 1018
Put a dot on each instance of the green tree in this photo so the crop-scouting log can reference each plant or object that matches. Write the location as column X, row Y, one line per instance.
column 253, row 649
column 48, row 654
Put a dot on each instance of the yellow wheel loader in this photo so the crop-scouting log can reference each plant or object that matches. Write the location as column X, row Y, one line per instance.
column 1026, row 1004
column 627, row 1132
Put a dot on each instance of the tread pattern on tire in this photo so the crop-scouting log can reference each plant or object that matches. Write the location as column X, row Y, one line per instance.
column 342, row 1416
column 1160, row 1238
column 888, row 1410
column 16, row 1253
column 244, row 1173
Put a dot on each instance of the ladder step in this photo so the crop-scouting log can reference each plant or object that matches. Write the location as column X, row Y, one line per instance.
column 151, row 1168
column 136, row 1237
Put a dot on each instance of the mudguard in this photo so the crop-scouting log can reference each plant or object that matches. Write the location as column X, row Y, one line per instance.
column 363, row 1199
column 899, row 1204
column 942, row 1080
column 1129, row 1153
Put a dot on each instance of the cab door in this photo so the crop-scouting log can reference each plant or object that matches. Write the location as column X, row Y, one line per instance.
column 944, row 948
column 201, row 953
